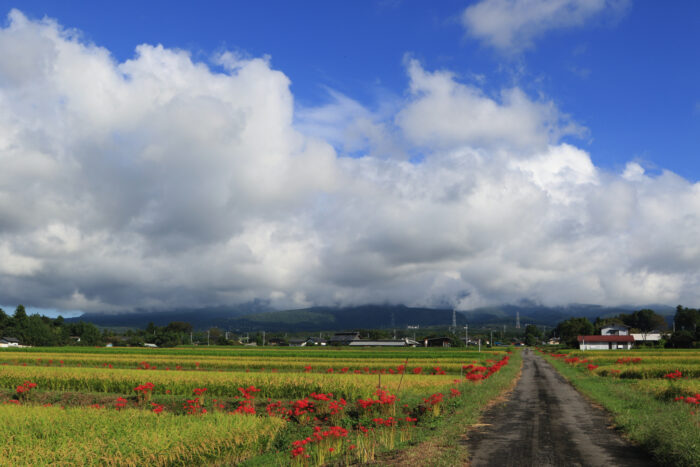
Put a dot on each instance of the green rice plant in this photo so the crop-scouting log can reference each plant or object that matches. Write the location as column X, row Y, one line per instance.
column 77, row 437
column 123, row 381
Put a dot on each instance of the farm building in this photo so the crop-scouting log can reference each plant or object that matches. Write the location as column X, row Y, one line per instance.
column 609, row 342
column 9, row 342
column 615, row 330
column 405, row 342
column 653, row 336
column 437, row 342
column 344, row 338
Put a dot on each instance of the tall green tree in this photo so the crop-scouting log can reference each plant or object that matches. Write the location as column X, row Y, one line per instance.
column 645, row 321
column 20, row 315
column 570, row 329
column 533, row 335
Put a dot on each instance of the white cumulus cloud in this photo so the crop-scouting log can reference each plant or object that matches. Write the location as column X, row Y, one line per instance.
column 514, row 25
column 161, row 182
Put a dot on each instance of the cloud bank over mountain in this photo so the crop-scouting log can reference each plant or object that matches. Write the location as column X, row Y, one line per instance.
column 162, row 181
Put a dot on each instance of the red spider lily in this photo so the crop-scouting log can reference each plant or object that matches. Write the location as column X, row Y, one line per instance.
column 307, row 369
column 120, row 403
column 592, row 366
column 417, row 370
column 454, row 392
column 24, row 389
column 434, row 399
column 199, row 391
column 194, row 407
column 674, row 375
column 157, row 408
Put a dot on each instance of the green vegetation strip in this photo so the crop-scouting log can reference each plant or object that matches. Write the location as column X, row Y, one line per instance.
column 666, row 429
column 77, row 437
column 441, row 443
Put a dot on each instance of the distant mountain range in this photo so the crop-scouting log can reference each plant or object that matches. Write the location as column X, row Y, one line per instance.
column 258, row 317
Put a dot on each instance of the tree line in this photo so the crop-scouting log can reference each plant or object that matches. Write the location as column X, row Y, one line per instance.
column 38, row 330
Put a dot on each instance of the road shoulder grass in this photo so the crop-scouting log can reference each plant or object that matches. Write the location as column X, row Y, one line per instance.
column 444, row 443
column 666, row 430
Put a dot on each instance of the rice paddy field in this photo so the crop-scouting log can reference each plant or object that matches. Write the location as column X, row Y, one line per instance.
column 654, row 395
column 218, row 406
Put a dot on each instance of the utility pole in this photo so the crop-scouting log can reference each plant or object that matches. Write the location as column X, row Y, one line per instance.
column 491, row 338
column 190, row 337
column 207, row 337
column 517, row 320
column 466, row 335
column 263, row 338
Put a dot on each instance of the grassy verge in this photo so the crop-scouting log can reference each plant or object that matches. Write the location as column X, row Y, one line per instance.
column 443, row 443
column 669, row 431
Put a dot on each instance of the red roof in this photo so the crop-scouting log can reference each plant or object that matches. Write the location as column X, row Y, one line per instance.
column 605, row 338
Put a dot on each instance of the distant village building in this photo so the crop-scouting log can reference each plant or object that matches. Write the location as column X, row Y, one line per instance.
column 9, row 342
column 437, row 342
column 609, row 342
column 405, row 342
column 316, row 341
column 615, row 330
column 653, row 336
column 344, row 338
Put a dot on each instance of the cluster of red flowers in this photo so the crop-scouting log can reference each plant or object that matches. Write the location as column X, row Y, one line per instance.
column 391, row 421
column 247, row 406
column 437, row 371
column 477, row 373
column 627, row 360
column 194, row 406
column 695, row 399
column 319, row 435
column 692, row 400
column 120, row 403
column 435, row 399
column 384, row 398
column 673, row 375
column 23, row 389
column 592, row 366
column 454, row 392
column 144, row 366
column 144, row 391
column 321, row 404
column 157, row 408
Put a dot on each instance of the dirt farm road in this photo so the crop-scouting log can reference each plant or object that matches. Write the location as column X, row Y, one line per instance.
column 546, row 422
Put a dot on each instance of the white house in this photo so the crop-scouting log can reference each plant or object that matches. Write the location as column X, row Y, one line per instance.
column 9, row 342
column 609, row 342
column 615, row 330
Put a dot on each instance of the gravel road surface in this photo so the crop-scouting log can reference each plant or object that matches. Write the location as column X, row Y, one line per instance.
column 546, row 422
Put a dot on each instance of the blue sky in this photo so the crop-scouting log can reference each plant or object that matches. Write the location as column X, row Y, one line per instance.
column 466, row 153
column 631, row 78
